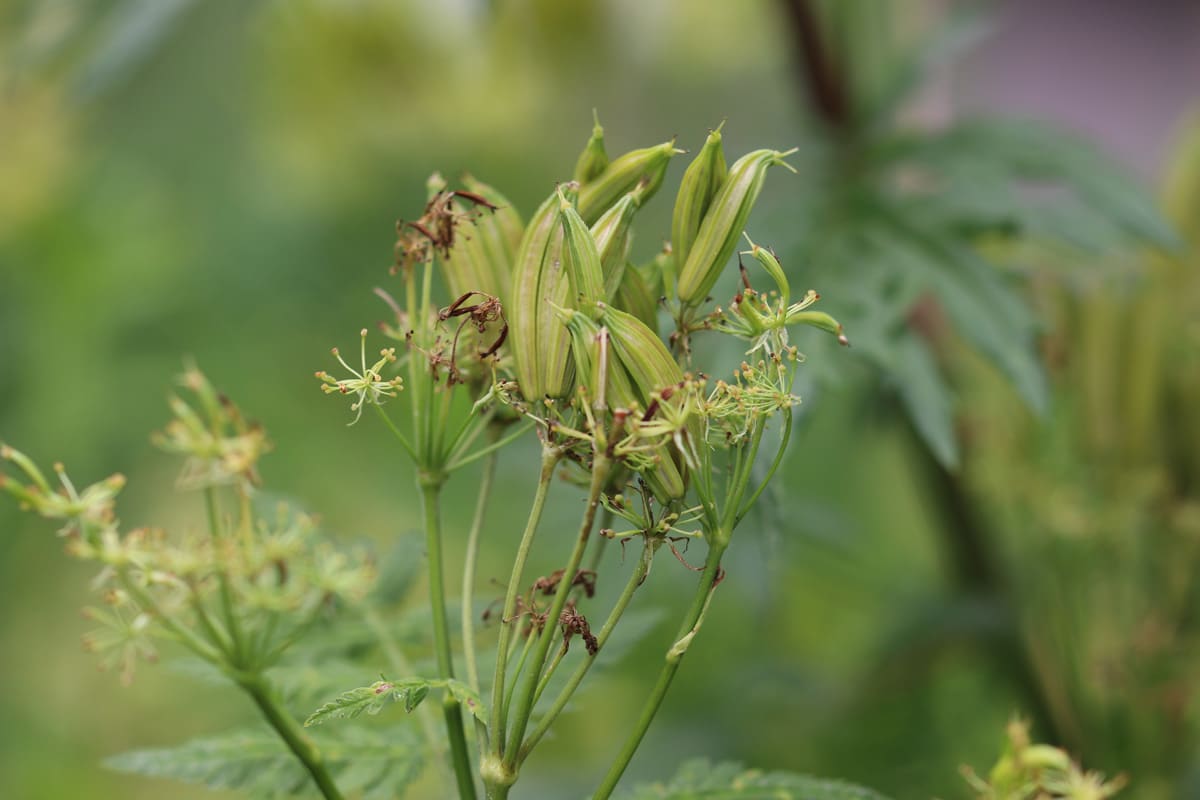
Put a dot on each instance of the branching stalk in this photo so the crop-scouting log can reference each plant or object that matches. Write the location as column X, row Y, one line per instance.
column 687, row 631
column 523, row 706
column 550, row 457
column 564, row 695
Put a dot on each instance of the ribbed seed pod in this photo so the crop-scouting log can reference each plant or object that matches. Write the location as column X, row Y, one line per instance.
column 593, row 159
column 581, row 259
column 701, row 182
column 771, row 264
column 635, row 297
column 651, row 369
column 596, row 364
column 722, row 226
column 539, row 343
column 485, row 248
column 622, row 175
column 612, row 233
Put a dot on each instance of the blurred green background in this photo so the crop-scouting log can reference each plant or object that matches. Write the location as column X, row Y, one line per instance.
column 221, row 180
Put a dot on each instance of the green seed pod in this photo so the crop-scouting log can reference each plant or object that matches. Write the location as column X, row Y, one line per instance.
column 701, row 182
column 817, row 319
column 580, row 257
column 612, row 233
column 508, row 221
column 622, row 176
column 722, row 226
column 485, row 248
column 659, row 273
column 539, row 343
column 593, row 160
column 771, row 264
column 596, row 364
column 635, row 297
column 651, row 369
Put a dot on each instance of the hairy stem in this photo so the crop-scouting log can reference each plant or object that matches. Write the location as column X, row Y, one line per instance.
column 461, row 760
column 687, row 631
column 293, row 736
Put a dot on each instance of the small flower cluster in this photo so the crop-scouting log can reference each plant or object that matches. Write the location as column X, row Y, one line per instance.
column 366, row 384
column 221, row 446
column 276, row 574
column 1030, row 771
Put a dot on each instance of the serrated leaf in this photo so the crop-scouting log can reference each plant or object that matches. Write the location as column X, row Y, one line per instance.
column 926, row 398
column 468, row 698
column 376, row 762
column 701, row 780
column 371, row 700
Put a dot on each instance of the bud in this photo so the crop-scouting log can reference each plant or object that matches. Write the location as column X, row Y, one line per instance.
column 722, row 226
column 593, row 160
column 580, row 257
column 485, row 248
column 540, row 344
column 701, row 182
column 622, row 176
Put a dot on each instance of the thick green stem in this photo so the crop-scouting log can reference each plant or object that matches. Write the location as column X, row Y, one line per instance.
column 470, row 560
column 550, row 457
column 293, row 736
column 564, row 695
column 687, row 631
column 526, row 696
column 461, row 760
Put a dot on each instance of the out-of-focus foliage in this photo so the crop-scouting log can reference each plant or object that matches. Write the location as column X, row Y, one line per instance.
column 1096, row 509
column 372, row 763
column 697, row 780
column 221, row 179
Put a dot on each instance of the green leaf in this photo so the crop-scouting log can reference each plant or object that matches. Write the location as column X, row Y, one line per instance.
column 468, row 698
column 378, row 762
column 371, row 700
column 926, row 398
column 701, row 780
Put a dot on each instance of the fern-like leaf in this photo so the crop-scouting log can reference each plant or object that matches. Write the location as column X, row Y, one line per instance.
column 376, row 762
column 371, row 700
column 702, row 780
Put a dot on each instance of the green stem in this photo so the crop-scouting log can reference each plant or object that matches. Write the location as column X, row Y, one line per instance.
column 525, row 699
column 430, row 491
column 544, row 681
column 470, row 561
column 687, row 631
column 293, row 736
column 564, row 695
column 550, row 457
column 512, row 687
column 237, row 646
column 457, row 463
